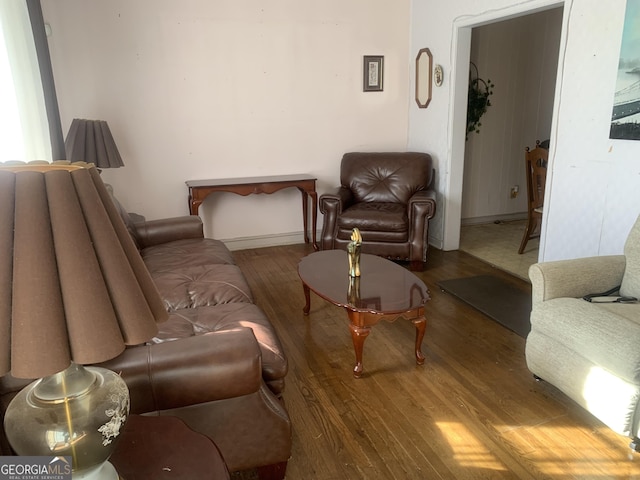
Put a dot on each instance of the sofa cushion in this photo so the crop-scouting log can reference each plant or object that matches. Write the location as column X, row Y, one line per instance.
column 631, row 279
column 181, row 254
column 376, row 216
column 607, row 334
column 196, row 286
column 197, row 321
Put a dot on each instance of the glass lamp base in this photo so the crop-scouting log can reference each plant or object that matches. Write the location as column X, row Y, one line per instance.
column 77, row 413
column 106, row 471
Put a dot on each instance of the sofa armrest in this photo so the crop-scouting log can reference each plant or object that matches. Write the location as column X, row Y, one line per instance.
column 332, row 204
column 337, row 200
column 575, row 277
column 420, row 208
column 155, row 232
column 422, row 204
column 190, row 371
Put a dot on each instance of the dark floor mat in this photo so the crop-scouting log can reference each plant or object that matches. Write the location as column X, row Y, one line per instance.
column 504, row 303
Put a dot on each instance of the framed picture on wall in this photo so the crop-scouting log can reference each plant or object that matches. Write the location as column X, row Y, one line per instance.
column 373, row 73
column 625, row 115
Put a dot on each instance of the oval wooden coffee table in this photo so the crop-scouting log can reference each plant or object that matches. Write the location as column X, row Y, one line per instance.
column 384, row 291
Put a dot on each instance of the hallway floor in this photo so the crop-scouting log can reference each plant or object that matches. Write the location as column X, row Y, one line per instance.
column 498, row 243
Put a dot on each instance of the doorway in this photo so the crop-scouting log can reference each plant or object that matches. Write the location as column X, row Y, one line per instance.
column 519, row 56
column 519, row 52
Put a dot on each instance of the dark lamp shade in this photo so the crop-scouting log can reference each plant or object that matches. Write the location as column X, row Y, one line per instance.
column 73, row 286
column 91, row 141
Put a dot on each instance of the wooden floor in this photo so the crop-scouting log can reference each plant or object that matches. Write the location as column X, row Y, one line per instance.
column 472, row 411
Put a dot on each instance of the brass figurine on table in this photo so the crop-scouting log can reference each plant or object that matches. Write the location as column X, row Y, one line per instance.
column 353, row 252
column 353, row 295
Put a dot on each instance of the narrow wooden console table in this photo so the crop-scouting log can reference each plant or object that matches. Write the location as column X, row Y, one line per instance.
column 306, row 184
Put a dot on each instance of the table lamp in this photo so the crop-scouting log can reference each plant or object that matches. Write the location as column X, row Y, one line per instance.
column 91, row 141
column 73, row 291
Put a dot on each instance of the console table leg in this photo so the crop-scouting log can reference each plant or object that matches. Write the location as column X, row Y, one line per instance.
column 194, row 205
column 421, row 326
column 314, row 217
column 358, row 335
column 305, row 215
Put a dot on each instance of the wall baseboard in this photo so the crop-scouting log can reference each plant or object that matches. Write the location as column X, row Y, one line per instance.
column 293, row 238
column 246, row 243
column 509, row 217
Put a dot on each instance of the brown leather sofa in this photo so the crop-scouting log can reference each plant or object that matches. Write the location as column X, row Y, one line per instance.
column 388, row 197
column 203, row 289
column 217, row 363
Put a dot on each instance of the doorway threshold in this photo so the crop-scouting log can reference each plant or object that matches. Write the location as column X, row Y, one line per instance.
column 497, row 243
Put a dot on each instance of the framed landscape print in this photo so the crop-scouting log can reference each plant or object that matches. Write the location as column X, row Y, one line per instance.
column 625, row 114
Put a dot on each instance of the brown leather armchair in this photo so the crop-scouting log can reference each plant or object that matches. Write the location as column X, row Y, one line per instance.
column 387, row 196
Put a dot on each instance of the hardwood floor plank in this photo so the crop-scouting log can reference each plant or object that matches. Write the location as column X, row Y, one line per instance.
column 472, row 411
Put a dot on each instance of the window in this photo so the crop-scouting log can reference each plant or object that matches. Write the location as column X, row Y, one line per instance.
column 24, row 126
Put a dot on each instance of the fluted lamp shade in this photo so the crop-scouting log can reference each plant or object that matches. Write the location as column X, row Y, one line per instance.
column 91, row 141
column 73, row 291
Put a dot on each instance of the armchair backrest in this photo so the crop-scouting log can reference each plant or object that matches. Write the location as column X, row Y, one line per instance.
column 631, row 279
column 385, row 177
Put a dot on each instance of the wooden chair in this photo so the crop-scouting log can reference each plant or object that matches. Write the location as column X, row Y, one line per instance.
column 536, row 165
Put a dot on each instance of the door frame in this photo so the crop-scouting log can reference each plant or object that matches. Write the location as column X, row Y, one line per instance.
column 458, row 110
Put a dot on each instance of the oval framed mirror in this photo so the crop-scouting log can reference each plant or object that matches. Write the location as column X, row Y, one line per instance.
column 424, row 69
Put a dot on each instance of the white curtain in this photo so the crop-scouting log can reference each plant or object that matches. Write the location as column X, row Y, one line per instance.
column 24, row 128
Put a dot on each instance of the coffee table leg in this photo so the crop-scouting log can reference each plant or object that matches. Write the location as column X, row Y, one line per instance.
column 421, row 326
column 358, row 335
column 307, row 299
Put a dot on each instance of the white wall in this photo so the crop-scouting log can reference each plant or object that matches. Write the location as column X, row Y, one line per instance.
column 593, row 193
column 199, row 89
column 520, row 56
